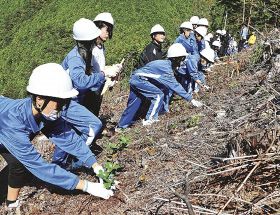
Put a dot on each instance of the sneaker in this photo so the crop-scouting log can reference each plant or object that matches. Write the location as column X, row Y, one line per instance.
column 149, row 122
column 13, row 209
column 120, row 130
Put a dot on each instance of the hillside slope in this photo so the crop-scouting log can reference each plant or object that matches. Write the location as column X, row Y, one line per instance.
column 176, row 154
column 37, row 32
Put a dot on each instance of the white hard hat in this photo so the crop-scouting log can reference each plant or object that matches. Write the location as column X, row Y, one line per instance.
column 216, row 43
column 203, row 22
column 105, row 17
column 157, row 28
column 219, row 31
column 209, row 54
column 51, row 80
column 201, row 30
column 85, row 29
column 187, row 25
column 194, row 20
column 176, row 50
column 207, row 38
column 210, row 35
column 223, row 32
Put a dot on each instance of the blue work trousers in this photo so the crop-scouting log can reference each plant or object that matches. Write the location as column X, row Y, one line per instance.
column 141, row 88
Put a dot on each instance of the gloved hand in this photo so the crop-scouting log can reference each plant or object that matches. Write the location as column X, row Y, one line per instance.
column 118, row 66
column 206, row 87
column 110, row 82
column 96, row 170
column 97, row 189
column 208, row 69
column 196, row 103
column 111, row 71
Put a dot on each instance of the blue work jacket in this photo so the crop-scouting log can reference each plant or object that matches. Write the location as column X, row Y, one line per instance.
column 75, row 65
column 18, row 127
column 161, row 71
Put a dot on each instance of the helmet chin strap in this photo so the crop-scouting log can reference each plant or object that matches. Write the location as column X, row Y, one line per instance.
column 40, row 109
column 101, row 39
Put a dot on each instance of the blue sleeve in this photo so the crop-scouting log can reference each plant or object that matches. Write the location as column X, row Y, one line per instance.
column 171, row 82
column 178, row 40
column 19, row 145
column 193, row 69
column 66, row 137
column 183, row 68
column 80, row 79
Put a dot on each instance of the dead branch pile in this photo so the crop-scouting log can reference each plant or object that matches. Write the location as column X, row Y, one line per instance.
column 244, row 180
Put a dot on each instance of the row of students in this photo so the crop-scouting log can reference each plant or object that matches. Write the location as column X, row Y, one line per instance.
column 157, row 79
column 65, row 105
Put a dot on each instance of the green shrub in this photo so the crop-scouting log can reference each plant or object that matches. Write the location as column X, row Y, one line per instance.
column 34, row 32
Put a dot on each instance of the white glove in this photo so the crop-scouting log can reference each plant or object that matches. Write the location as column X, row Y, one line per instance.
column 118, row 66
column 111, row 71
column 110, row 82
column 206, row 87
column 196, row 103
column 97, row 189
column 96, row 170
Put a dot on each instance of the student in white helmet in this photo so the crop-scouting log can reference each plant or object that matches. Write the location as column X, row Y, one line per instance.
column 51, row 91
column 153, row 51
column 185, row 37
column 192, row 70
column 194, row 20
column 79, row 65
column 79, row 61
column 203, row 22
column 147, row 82
column 217, row 35
column 216, row 45
column 199, row 34
column 105, row 22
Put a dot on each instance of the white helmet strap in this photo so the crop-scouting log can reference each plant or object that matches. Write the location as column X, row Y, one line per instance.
column 40, row 109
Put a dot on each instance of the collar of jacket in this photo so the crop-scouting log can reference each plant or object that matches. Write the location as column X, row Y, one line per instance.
column 30, row 118
column 158, row 45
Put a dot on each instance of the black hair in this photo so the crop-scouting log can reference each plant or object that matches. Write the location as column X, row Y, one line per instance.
column 47, row 99
column 85, row 50
column 182, row 30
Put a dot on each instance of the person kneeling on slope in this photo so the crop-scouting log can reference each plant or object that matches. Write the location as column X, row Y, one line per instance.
column 21, row 119
column 149, row 82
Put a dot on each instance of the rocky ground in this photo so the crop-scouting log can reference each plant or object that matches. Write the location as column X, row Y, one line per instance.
column 222, row 158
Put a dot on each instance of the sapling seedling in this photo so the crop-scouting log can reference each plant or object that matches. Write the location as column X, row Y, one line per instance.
column 123, row 142
column 108, row 175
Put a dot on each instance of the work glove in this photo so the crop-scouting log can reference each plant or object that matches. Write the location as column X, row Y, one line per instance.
column 111, row 71
column 96, row 170
column 196, row 103
column 118, row 67
column 97, row 189
column 206, row 87
column 111, row 82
